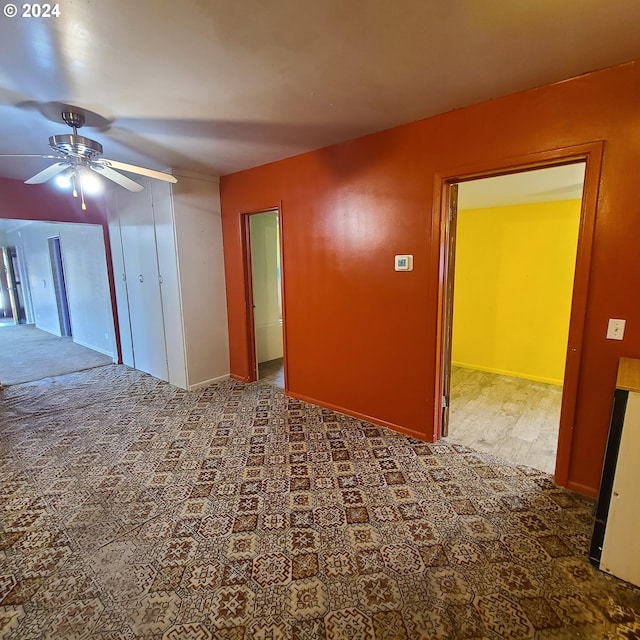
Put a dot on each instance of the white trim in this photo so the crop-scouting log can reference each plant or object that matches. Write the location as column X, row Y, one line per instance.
column 206, row 383
column 277, row 323
column 90, row 346
column 185, row 173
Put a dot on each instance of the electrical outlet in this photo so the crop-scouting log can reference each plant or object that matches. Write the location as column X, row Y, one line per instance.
column 615, row 329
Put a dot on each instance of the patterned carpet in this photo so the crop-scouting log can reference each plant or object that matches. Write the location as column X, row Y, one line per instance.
column 133, row 509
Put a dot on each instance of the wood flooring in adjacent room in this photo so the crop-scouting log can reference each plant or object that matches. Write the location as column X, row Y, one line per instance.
column 272, row 372
column 513, row 418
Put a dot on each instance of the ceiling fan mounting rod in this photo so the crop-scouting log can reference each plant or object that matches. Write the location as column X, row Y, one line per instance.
column 73, row 119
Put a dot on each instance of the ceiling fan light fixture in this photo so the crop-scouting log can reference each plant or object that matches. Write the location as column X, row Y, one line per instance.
column 91, row 183
column 63, row 181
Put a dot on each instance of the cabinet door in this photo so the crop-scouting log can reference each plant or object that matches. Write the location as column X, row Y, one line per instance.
column 143, row 287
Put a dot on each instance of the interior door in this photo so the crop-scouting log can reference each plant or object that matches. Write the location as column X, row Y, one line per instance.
column 448, row 310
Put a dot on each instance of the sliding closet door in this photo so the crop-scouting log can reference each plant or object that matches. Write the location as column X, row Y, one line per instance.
column 143, row 287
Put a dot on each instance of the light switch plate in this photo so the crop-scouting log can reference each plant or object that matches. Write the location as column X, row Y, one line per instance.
column 615, row 329
column 404, row 263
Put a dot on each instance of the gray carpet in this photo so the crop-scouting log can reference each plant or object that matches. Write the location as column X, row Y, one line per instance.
column 28, row 354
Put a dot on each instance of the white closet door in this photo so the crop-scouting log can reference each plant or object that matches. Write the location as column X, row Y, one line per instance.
column 162, row 198
column 143, row 287
column 119, row 275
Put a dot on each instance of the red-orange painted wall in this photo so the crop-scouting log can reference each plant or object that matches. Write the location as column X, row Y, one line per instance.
column 360, row 336
column 19, row 201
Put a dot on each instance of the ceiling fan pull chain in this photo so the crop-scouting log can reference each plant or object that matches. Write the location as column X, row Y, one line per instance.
column 83, row 205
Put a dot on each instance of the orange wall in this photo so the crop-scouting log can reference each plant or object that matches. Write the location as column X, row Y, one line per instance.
column 361, row 337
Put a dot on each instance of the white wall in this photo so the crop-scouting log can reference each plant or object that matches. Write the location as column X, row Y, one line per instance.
column 266, row 287
column 85, row 267
column 198, row 229
column 33, row 239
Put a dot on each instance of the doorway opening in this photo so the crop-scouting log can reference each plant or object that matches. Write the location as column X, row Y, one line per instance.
column 266, row 297
column 496, row 317
column 59, row 284
column 13, row 308
column 75, row 255
column 512, row 268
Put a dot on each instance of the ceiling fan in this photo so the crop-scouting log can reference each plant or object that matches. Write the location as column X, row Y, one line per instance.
column 79, row 156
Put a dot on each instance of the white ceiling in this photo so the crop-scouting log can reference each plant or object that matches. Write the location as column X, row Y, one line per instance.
column 539, row 185
column 216, row 86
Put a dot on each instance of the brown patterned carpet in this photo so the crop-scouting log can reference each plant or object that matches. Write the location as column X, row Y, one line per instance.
column 132, row 509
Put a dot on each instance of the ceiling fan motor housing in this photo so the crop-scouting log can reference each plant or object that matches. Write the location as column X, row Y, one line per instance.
column 71, row 144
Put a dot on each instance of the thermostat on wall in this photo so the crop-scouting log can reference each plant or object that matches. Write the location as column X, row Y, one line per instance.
column 404, row 263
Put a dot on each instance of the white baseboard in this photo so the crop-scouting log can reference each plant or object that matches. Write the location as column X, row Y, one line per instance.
column 104, row 352
column 206, row 383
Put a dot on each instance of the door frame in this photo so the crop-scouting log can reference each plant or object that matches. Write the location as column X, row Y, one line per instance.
column 589, row 153
column 245, row 228
column 60, row 286
column 6, row 264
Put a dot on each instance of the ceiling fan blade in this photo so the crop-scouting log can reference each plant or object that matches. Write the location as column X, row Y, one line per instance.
column 48, row 173
column 132, row 168
column 116, row 177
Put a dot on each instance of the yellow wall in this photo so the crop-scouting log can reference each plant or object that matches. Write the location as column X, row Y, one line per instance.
column 513, row 284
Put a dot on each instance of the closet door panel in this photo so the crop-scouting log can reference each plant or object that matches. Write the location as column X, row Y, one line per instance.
column 119, row 274
column 141, row 267
column 163, row 210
